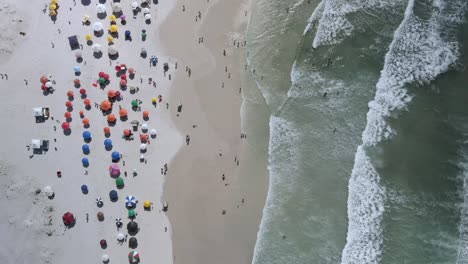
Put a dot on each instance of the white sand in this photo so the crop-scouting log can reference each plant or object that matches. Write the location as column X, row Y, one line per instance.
column 32, row 227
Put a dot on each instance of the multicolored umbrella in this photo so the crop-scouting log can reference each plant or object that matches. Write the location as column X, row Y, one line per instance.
column 130, row 201
column 114, row 169
column 133, row 257
column 68, row 218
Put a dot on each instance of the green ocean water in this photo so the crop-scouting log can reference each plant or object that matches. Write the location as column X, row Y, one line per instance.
column 368, row 130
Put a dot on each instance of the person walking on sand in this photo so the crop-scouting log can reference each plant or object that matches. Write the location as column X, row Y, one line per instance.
column 187, row 140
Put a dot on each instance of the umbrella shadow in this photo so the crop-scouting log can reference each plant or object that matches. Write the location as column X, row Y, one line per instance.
column 148, row 21
column 131, row 76
column 86, row 165
column 79, row 59
column 88, row 107
column 108, row 148
column 51, row 197
column 114, row 57
column 86, row 125
column 142, row 150
column 89, row 42
column 146, row 118
column 77, row 85
column 117, row 14
column 83, row 96
column 123, row 22
column 107, row 135
column 102, row 15
column 97, row 55
column 111, row 124
column 69, row 119
column 86, row 2
column 102, row 1
column 88, row 140
column 134, row 232
column 71, row 98
column 86, row 152
column 77, row 73
column 120, row 187
column 99, row 33
column 123, row 118
column 70, row 109
column 67, row 132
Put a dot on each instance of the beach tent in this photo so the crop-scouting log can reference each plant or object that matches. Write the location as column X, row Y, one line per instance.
column 107, row 143
column 130, row 201
column 114, row 169
column 68, row 219
column 115, row 155
column 48, row 191
column 119, row 182
column 37, row 111
column 100, row 8
column 86, row 135
column 133, row 257
column 131, row 213
column 132, row 227
column 133, row 242
column 36, row 144
column 113, row 195
column 105, row 258
column 97, row 26
column 74, row 43
column 96, row 48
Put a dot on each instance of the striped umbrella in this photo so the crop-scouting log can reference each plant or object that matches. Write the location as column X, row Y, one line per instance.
column 114, row 169
column 133, row 257
column 130, row 201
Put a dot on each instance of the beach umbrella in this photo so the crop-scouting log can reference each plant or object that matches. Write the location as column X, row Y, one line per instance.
column 132, row 227
column 145, row 10
column 112, row 18
column 82, row 91
column 65, row 125
column 123, row 77
column 85, row 148
column 48, row 84
column 147, row 16
column 153, row 132
column 120, row 237
column 113, row 28
column 105, row 258
column 76, row 68
column 68, row 218
column 134, row 103
column 82, row 113
column 86, row 102
column 48, row 191
column 113, row 195
column 127, row 33
column 106, row 130
column 96, row 48
column 154, row 100
column 53, row 7
column 85, row 161
column 101, row 74
column 107, row 143
column 84, row 189
column 52, row 13
column 70, row 93
column 101, row 80
column 114, row 169
column 119, row 182
column 122, row 112
column 100, row 217
column 43, row 87
column 116, row 7
column 97, row 26
column 112, row 50
column 110, row 38
column 111, row 93
column 122, row 17
column 85, row 19
column 146, row 204
column 131, row 71
column 133, row 242
column 143, row 146
column 143, row 137
column 88, row 37
column 78, row 54
column 145, row 114
column 106, row 105
column 86, row 135
column 123, row 82
column 53, row 2
column 100, row 8
column 76, row 82
column 130, row 201
column 85, row 121
column 111, row 118
column 133, row 257
column 43, row 79
column 134, row 5
column 68, row 104
column 144, row 126
column 126, row 132
column 106, row 76
column 115, row 155
column 67, row 115
column 131, row 213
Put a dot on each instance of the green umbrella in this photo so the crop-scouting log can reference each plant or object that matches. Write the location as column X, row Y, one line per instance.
column 102, row 80
column 131, row 213
column 134, row 103
column 119, row 182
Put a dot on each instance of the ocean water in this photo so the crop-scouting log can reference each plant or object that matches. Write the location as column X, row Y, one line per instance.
column 368, row 154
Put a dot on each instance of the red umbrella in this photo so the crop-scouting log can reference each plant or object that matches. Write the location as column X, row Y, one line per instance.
column 123, row 77
column 101, row 74
column 87, row 101
column 106, row 77
column 126, row 132
column 67, row 115
column 68, row 104
column 106, row 130
column 68, row 218
column 65, row 125
column 82, row 91
column 76, row 81
column 117, row 68
column 43, row 87
column 117, row 94
column 111, row 93
column 81, row 113
column 123, row 82
column 70, row 94
column 85, row 121
column 143, row 137
column 131, row 71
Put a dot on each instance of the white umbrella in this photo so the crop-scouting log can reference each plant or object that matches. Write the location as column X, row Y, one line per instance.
column 144, row 126
column 147, row 16
column 120, row 236
column 105, row 258
column 142, row 157
column 96, row 48
column 134, row 5
column 48, row 84
column 146, row 10
column 112, row 50
column 142, row 146
column 78, row 54
column 48, row 191
column 153, row 132
column 116, row 7
column 85, row 18
column 97, row 26
column 100, row 8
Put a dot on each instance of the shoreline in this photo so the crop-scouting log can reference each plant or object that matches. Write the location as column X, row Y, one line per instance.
column 212, row 219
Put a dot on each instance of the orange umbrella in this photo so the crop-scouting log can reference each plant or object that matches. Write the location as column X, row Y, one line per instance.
column 126, row 132
column 111, row 93
column 122, row 112
column 87, row 101
column 111, row 118
column 145, row 114
column 106, row 130
column 143, row 137
column 106, row 105
column 67, row 115
column 68, row 104
column 44, row 79
column 81, row 113
column 70, row 93
column 85, row 121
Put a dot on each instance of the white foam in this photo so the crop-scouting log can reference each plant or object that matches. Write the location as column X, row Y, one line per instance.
column 315, row 16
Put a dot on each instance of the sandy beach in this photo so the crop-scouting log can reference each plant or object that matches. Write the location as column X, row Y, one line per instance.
column 33, row 222
column 217, row 187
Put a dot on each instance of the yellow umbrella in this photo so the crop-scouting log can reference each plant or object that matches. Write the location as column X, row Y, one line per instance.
column 112, row 18
column 146, row 204
column 53, row 7
column 113, row 28
column 110, row 38
column 88, row 37
column 153, row 100
column 52, row 13
column 53, row 2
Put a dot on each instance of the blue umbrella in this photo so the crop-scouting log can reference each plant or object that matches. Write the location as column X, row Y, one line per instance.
column 113, row 195
column 86, row 135
column 85, row 161
column 127, row 33
column 108, row 143
column 85, row 148
column 84, row 189
column 76, row 69
column 130, row 201
column 115, row 155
